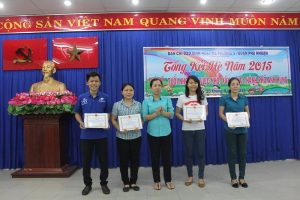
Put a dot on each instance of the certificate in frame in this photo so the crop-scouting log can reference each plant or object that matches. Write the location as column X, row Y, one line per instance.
column 130, row 122
column 96, row 120
column 237, row 119
column 194, row 112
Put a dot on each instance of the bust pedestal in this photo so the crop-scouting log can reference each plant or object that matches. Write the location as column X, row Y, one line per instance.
column 45, row 147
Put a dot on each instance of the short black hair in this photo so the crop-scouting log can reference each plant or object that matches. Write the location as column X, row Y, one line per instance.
column 92, row 74
column 155, row 79
column 127, row 84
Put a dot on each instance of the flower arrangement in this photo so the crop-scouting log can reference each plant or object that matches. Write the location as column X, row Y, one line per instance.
column 42, row 103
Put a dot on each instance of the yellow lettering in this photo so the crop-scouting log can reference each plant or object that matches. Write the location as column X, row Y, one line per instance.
column 274, row 21
column 57, row 23
column 8, row 24
column 95, row 22
column 144, row 22
column 163, row 22
column 71, row 22
column 27, row 24
column 234, row 21
column 261, row 21
column 128, row 22
column 182, row 21
column 172, row 21
column 293, row 21
column 17, row 25
column 207, row 21
column 108, row 22
column 47, row 25
column 195, row 20
column 85, row 22
column 39, row 24
column 284, row 21
column 118, row 22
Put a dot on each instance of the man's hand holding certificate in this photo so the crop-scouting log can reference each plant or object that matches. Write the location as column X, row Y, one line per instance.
column 130, row 122
column 237, row 119
column 194, row 113
column 96, row 120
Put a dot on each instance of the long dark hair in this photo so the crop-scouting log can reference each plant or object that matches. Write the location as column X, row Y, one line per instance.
column 232, row 79
column 200, row 95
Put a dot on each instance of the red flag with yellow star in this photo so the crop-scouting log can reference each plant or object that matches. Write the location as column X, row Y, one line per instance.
column 24, row 54
column 79, row 52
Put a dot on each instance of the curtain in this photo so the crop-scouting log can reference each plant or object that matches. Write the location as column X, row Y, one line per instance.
column 274, row 133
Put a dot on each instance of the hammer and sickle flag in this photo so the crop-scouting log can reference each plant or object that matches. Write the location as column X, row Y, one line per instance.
column 22, row 57
column 24, row 54
column 70, row 53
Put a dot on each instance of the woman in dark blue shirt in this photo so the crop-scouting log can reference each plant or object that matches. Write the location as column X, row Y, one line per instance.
column 236, row 138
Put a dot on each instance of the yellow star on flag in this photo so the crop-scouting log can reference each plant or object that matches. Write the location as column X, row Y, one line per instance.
column 74, row 53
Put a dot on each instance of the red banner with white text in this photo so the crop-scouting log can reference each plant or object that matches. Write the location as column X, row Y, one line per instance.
column 79, row 52
column 24, row 54
column 140, row 21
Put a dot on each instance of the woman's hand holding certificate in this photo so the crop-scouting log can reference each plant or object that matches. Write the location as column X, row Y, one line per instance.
column 130, row 122
column 96, row 120
column 237, row 119
column 194, row 113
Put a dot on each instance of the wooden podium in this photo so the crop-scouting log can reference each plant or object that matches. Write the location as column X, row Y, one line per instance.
column 45, row 147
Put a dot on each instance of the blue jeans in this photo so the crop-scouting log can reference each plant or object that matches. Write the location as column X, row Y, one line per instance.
column 194, row 141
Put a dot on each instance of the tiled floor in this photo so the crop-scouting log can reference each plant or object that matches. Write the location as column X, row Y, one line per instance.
column 278, row 180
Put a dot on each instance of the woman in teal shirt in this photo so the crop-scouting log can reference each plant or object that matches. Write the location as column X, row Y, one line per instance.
column 158, row 110
column 236, row 138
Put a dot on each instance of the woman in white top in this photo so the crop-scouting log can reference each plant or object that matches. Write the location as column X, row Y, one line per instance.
column 193, row 131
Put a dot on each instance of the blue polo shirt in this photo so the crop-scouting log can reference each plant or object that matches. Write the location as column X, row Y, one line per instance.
column 86, row 103
column 231, row 105
column 160, row 125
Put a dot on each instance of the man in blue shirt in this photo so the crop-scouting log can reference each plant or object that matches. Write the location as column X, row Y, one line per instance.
column 93, row 101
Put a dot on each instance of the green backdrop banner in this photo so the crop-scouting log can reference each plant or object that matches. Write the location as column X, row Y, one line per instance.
column 263, row 71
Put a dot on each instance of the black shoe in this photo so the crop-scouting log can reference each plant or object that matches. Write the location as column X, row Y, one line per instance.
column 234, row 183
column 86, row 190
column 243, row 183
column 135, row 187
column 126, row 188
column 105, row 189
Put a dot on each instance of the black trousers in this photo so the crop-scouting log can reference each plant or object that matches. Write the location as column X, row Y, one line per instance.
column 160, row 147
column 236, row 150
column 87, row 149
column 129, row 152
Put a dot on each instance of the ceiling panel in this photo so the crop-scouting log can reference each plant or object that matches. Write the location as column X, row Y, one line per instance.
column 38, row 7
column 77, row 5
column 19, row 7
column 194, row 4
column 126, row 6
column 295, row 7
column 200, row 9
column 279, row 5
